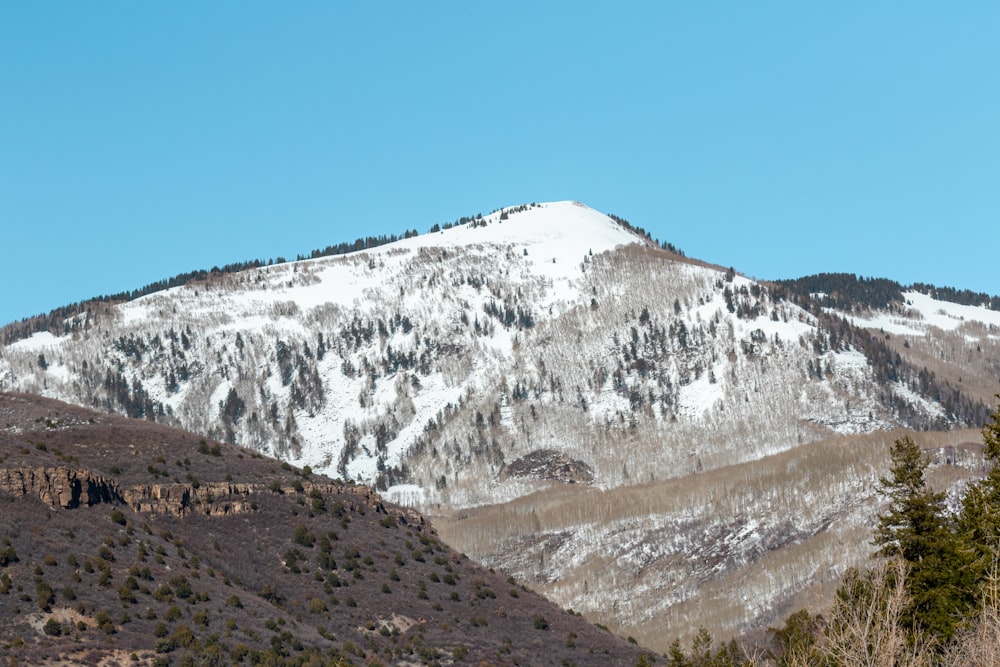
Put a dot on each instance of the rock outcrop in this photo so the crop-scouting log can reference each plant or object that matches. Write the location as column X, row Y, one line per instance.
column 217, row 499
column 64, row 487
column 70, row 488
column 549, row 464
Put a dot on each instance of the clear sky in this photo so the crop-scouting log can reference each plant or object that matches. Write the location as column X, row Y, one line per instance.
column 139, row 140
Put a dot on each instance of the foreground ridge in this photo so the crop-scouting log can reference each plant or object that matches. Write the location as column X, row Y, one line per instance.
column 101, row 563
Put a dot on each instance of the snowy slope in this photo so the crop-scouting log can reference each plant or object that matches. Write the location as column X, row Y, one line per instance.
column 536, row 327
column 925, row 312
column 498, row 363
column 543, row 244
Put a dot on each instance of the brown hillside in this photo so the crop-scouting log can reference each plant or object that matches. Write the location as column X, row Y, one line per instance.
column 125, row 542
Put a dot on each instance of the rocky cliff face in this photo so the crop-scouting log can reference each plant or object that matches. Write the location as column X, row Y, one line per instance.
column 180, row 499
column 69, row 488
column 63, row 487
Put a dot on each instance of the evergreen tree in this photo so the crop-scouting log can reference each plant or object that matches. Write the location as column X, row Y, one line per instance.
column 675, row 655
column 916, row 529
column 979, row 521
column 701, row 649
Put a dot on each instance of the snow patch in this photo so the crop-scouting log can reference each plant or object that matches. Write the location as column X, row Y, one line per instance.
column 915, row 399
column 700, row 396
column 925, row 312
column 43, row 340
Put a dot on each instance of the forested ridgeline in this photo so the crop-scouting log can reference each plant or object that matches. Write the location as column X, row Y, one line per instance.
column 850, row 293
column 963, row 297
column 846, row 291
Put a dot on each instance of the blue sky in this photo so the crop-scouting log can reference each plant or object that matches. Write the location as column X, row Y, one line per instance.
column 141, row 140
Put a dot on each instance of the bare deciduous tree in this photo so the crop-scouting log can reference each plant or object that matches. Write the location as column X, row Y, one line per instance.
column 865, row 629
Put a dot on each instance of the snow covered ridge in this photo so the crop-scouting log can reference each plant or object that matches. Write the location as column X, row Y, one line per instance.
column 362, row 364
column 430, row 366
column 567, row 229
column 925, row 311
column 546, row 244
column 566, row 221
column 353, row 363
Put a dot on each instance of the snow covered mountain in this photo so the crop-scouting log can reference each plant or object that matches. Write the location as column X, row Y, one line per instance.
column 629, row 430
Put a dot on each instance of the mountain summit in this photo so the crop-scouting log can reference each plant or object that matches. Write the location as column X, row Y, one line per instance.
column 570, row 229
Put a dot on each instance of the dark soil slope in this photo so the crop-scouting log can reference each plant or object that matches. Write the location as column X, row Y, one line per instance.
column 125, row 542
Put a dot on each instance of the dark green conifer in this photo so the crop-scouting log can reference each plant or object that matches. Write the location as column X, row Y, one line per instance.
column 675, row 655
column 979, row 521
column 915, row 527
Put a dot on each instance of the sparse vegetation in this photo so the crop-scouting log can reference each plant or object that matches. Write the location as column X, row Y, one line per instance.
column 166, row 580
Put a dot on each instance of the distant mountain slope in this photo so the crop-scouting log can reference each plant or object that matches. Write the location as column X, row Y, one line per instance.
column 847, row 291
column 494, row 365
column 943, row 343
column 126, row 539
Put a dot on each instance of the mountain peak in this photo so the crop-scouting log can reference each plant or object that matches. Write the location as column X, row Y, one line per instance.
column 563, row 230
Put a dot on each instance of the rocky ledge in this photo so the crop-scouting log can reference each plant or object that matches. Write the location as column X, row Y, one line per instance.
column 69, row 488
column 60, row 487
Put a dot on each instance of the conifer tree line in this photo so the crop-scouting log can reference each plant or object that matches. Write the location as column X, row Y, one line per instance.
column 849, row 292
column 846, row 291
column 963, row 297
column 930, row 598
